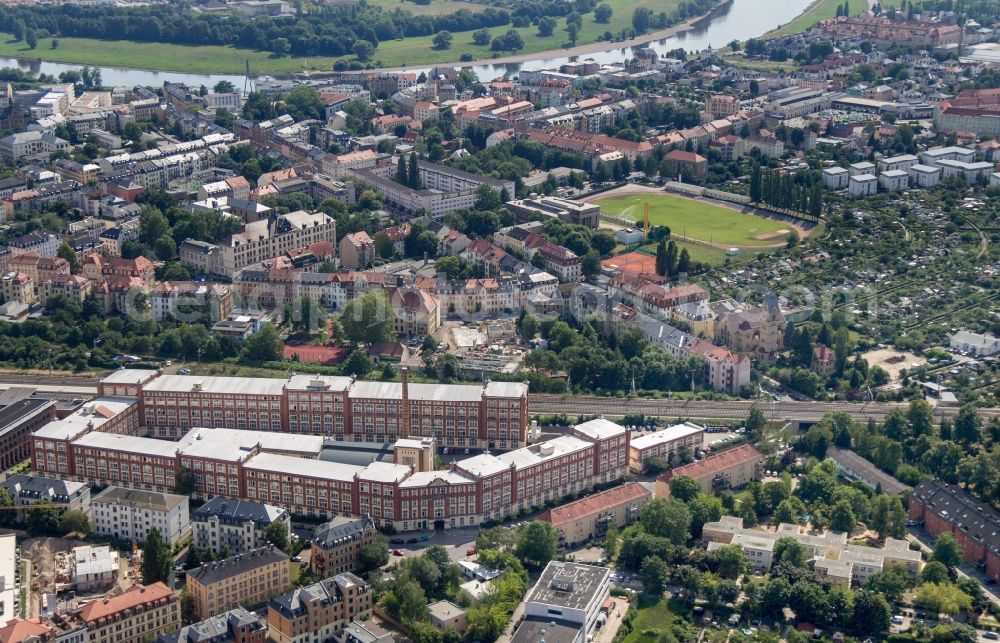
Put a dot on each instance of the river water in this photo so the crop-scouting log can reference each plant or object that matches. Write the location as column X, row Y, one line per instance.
column 738, row 20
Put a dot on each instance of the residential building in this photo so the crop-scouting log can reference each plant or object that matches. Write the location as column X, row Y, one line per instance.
column 189, row 301
column 28, row 490
column 357, row 250
column 234, row 526
column 249, row 578
column 924, row 176
column 758, row 331
column 318, row 611
column 829, row 552
column 725, row 370
column 235, row 626
column 363, row 632
column 142, row 612
column 93, row 567
column 665, row 443
column 894, row 180
column 902, row 162
column 335, row 545
column 862, row 185
column 547, row 207
column 861, row 168
column 835, row 178
column 129, row 515
column 16, row 147
column 264, row 239
column 946, row 508
column 589, row 518
column 854, row 467
column 718, row 471
column 976, row 111
column 681, row 161
column 11, row 586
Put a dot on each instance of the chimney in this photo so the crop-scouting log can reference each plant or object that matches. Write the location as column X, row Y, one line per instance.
column 404, row 376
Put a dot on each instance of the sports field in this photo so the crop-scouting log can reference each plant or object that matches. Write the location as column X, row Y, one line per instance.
column 699, row 220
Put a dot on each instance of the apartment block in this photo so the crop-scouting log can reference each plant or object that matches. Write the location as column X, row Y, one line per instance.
column 234, row 526
column 129, row 515
column 665, row 443
column 716, row 472
column 335, row 545
column 590, row 517
column 250, row 578
column 235, row 626
column 143, row 612
column 318, row 611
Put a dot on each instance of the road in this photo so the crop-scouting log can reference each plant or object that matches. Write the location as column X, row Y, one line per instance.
column 573, row 405
column 916, row 534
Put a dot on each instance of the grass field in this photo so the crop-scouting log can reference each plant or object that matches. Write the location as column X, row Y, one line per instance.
column 435, row 8
column 392, row 53
column 822, row 10
column 652, row 624
column 697, row 219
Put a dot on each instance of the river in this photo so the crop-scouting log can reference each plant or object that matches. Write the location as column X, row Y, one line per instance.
column 737, row 20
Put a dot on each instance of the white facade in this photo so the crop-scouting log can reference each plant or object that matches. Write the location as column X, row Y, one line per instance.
column 93, row 567
column 935, row 155
column 970, row 172
column 862, row 185
column 835, row 178
column 902, row 162
column 858, row 169
column 924, row 176
column 130, row 515
column 975, row 343
column 569, row 592
column 894, row 180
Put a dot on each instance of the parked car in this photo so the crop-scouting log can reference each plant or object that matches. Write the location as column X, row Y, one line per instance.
column 397, row 552
column 424, row 539
column 471, row 551
column 412, row 541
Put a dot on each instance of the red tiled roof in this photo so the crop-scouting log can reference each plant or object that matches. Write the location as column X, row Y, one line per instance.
column 19, row 630
column 714, row 463
column 596, row 503
column 138, row 595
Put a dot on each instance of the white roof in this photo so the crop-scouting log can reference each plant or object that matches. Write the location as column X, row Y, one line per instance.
column 209, row 384
column 506, row 389
column 94, row 413
column 417, row 392
column 130, row 443
column 302, row 467
column 926, row 169
column 235, row 444
column 668, row 434
column 384, row 472
column 600, row 429
column 128, row 376
column 895, row 174
column 864, row 177
column 483, row 465
column 7, row 570
column 835, row 170
column 530, row 456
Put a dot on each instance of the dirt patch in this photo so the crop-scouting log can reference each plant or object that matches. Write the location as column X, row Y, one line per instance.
column 893, row 361
column 774, row 234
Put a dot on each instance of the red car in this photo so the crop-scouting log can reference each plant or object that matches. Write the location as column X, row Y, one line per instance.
column 397, row 552
column 471, row 551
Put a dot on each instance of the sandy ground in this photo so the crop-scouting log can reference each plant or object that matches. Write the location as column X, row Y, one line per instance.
column 803, row 228
column 893, row 361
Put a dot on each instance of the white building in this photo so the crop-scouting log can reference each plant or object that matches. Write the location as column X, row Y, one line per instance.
column 894, row 180
column 268, row 238
column 862, row 168
column 628, row 236
column 933, row 156
column 571, row 593
column 8, row 572
column 665, row 442
column 995, row 178
column 15, row 147
column 129, row 515
column 978, row 344
column 835, row 178
column 93, row 567
column 234, row 525
column 924, row 176
column 970, row 172
column 862, row 185
column 902, row 162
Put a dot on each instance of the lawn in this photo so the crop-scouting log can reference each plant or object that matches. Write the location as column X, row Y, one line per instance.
column 435, row 8
column 652, row 624
column 391, row 53
column 822, row 10
column 697, row 219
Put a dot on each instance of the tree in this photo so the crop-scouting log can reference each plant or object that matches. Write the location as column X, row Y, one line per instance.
column 281, row 46
column 487, row 198
column 942, row 598
column 733, row 561
column 654, row 574
column 611, row 542
column 372, row 556
column 42, row 519
column 546, row 26
column 156, row 559
column 189, row 607
column 755, row 423
column 661, row 258
column 74, row 521
column 184, row 481
column 363, row 49
column 304, row 102
column 684, row 488
column 276, row 533
column 368, row 319
column 264, row 345
column 842, row 517
column 788, row 550
column 358, row 364
column 789, row 510
column 888, row 517
column 967, row 425
column 224, row 87
column 536, row 543
column 19, row 29
column 486, row 623
column 603, row 13
column 641, row 18
column 666, row 517
column 947, row 551
column 402, row 174
column 165, row 248
column 407, row 600
column 934, row 572
column 442, row 39
column 31, row 38
column 67, row 252
column 414, row 182
column 152, row 225
column 55, row 43
column 482, row 37
column 891, row 583
column 573, row 30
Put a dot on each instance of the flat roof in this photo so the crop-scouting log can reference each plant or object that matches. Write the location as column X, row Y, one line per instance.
column 568, row 585
column 233, row 444
column 152, row 500
column 669, row 434
column 287, row 464
column 538, row 453
column 600, row 429
column 128, row 376
column 306, row 383
column 95, row 413
column 130, row 443
column 385, row 472
column 211, row 384
column 483, row 465
column 426, row 478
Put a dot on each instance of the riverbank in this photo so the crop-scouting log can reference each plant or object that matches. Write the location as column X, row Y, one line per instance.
column 824, row 10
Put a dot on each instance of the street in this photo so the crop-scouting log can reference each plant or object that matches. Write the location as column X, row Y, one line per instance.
column 916, row 534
